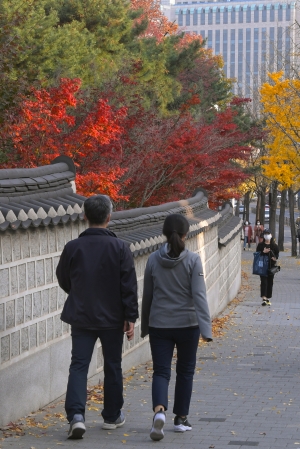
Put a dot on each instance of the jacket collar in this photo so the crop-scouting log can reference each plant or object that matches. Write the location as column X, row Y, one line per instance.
column 97, row 231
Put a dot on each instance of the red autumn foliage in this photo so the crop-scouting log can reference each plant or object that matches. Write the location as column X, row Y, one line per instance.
column 158, row 24
column 167, row 159
column 58, row 121
column 133, row 155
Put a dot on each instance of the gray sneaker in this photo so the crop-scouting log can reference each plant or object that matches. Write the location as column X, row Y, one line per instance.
column 107, row 425
column 77, row 427
column 157, row 432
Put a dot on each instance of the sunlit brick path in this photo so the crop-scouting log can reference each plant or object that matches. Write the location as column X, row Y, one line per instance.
column 246, row 390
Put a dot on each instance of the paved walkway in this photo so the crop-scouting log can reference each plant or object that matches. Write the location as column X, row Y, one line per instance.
column 246, row 390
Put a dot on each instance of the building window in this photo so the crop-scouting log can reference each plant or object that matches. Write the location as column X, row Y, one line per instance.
column 279, row 48
column 248, row 14
column 287, row 66
column 218, row 16
column 248, row 60
column 256, row 14
column 280, row 15
column 195, row 17
column 264, row 14
column 209, row 39
column 225, row 16
column 188, row 18
column 225, row 50
column 180, row 19
column 240, row 58
column 217, row 42
column 272, row 14
column 203, row 17
column 241, row 12
column 263, row 53
column 288, row 12
column 255, row 54
column 271, row 49
column 202, row 32
column 210, row 16
column 232, row 53
column 233, row 15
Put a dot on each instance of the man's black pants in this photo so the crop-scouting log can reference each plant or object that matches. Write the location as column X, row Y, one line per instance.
column 83, row 342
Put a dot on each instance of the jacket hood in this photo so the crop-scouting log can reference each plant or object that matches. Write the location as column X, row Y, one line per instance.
column 97, row 231
column 166, row 261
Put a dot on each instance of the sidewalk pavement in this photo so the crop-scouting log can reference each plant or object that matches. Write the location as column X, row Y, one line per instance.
column 246, row 388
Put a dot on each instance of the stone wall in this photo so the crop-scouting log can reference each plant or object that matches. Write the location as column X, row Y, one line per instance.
column 35, row 344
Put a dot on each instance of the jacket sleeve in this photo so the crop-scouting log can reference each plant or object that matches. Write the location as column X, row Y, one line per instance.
column 275, row 250
column 147, row 300
column 128, row 286
column 63, row 271
column 200, row 301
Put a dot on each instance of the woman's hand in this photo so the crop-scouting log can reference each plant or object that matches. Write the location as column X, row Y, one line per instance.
column 266, row 250
column 273, row 258
column 207, row 340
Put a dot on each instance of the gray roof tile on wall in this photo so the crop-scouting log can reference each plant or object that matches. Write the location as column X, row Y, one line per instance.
column 43, row 196
column 39, row 196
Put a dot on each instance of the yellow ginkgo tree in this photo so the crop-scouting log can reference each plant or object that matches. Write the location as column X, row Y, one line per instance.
column 280, row 99
column 281, row 106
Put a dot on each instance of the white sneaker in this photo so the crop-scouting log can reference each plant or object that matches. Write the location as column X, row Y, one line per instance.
column 159, row 420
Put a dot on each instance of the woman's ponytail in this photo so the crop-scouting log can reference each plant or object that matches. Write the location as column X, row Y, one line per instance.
column 175, row 228
column 176, row 244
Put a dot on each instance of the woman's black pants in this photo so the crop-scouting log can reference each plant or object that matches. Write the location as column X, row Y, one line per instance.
column 162, row 342
column 266, row 286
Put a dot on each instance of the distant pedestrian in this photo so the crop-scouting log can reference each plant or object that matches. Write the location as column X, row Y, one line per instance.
column 258, row 230
column 174, row 313
column 247, row 235
column 297, row 222
column 97, row 272
column 269, row 249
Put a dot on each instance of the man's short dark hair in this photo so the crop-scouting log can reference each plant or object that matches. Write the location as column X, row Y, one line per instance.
column 97, row 208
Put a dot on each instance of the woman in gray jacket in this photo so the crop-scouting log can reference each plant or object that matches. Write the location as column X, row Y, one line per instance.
column 174, row 313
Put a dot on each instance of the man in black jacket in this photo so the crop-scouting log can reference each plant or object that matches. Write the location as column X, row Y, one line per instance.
column 97, row 271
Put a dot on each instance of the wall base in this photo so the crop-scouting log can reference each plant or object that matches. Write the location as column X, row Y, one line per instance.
column 42, row 378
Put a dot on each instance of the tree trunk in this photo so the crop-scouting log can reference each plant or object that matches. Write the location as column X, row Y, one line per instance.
column 247, row 205
column 258, row 206
column 292, row 222
column 273, row 208
column 281, row 221
column 237, row 208
column 262, row 205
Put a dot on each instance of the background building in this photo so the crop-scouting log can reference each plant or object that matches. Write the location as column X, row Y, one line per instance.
column 253, row 37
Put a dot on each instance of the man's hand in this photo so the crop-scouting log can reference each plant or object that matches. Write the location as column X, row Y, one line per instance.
column 128, row 329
